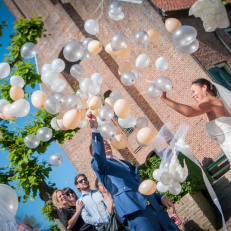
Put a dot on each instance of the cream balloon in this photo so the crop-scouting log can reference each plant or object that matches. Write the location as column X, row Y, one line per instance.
column 94, row 47
column 16, row 93
column 2, row 116
column 147, row 187
column 85, row 104
column 172, row 24
column 38, row 99
column 122, row 108
column 153, row 35
column 146, row 136
column 6, row 112
column 124, row 66
column 107, row 102
column 125, row 53
column 83, row 114
column 60, row 124
column 71, row 119
column 95, row 103
column 95, row 112
column 109, row 50
column 119, row 141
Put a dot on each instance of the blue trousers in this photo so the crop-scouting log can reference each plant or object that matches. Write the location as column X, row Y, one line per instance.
column 150, row 220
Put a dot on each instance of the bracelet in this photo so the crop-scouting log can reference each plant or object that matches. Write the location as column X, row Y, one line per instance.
column 94, row 125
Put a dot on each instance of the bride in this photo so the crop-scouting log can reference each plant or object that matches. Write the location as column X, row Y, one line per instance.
column 214, row 101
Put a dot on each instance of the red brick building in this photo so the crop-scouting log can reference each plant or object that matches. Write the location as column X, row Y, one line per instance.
column 65, row 19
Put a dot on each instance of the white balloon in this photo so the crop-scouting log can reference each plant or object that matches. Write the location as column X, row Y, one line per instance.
column 106, row 113
column 54, row 124
column 86, row 41
column 9, row 196
column 44, row 134
column 58, row 65
column 59, row 86
column 129, row 122
column 161, row 64
column 161, row 187
column 164, row 84
column 166, row 178
column 4, row 70
column 82, row 95
column 56, row 159
column 86, row 55
column 114, row 96
column 134, row 72
column 60, row 97
column 116, row 17
column 28, row 50
column 46, row 68
column 77, row 71
column 16, row 80
column 96, row 89
column 86, row 85
column 91, row 27
column 82, row 123
column 142, row 61
column 3, row 103
column 100, row 122
column 189, row 49
column 52, row 105
column 97, row 77
column 50, row 78
column 74, row 102
column 174, row 188
column 19, row 108
column 157, row 174
column 107, row 131
column 31, row 141
column 73, row 51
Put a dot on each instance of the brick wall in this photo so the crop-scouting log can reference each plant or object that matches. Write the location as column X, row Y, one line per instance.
column 195, row 213
column 64, row 21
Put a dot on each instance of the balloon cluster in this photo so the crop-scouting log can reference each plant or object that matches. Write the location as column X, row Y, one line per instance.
column 170, row 174
column 183, row 36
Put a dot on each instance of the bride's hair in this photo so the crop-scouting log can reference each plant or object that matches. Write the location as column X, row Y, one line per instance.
column 210, row 87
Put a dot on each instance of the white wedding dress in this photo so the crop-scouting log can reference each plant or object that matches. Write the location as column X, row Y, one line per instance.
column 220, row 130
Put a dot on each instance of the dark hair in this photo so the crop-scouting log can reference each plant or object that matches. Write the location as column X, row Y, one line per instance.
column 78, row 176
column 211, row 89
column 68, row 190
column 91, row 149
column 97, row 183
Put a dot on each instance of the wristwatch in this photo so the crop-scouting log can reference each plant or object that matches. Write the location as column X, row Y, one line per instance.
column 94, row 125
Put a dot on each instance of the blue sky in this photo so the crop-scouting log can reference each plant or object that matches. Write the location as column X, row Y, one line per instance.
column 63, row 175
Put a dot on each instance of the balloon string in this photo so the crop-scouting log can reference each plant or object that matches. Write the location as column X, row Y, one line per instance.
column 148, row 80
column 97, row 9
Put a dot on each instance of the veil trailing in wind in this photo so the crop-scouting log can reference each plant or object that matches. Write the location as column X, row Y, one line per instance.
column 7, row 221
column 168, row 142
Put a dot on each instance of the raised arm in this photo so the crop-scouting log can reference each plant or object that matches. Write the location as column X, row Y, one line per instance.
column 99, row 161
column 188, row 111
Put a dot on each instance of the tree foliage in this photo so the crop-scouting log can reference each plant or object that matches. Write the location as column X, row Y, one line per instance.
column 25, row 169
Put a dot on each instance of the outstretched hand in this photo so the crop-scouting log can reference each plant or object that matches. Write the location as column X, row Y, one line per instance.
column 91, row 118
column 168, row 204
column 163, row 95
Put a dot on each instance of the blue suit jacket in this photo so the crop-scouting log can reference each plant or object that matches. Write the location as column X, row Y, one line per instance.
column 122, row 182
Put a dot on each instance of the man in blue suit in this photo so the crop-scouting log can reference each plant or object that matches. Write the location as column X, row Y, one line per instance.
column 121, row 179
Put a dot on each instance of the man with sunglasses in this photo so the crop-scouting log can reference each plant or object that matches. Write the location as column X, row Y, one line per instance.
column 94, row 211
column 121, row 179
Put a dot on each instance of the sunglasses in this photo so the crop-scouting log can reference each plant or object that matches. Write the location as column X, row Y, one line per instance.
column 81, row 181
column 68, row 194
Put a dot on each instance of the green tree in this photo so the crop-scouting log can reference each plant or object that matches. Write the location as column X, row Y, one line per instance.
column 31, row 175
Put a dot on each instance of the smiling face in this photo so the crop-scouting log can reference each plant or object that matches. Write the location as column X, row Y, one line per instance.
column 82, row 183
column 107, row 147
column 61, row 198
column 198, row 92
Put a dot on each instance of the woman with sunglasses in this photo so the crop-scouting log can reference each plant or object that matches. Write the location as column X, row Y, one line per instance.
column 68, row 214
column 71, row 196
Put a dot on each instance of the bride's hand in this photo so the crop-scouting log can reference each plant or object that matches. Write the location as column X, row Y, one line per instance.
column 163, row 95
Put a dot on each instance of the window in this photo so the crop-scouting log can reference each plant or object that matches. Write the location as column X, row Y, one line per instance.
column 127, row 131
column 228, row 31
column 221, row 74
